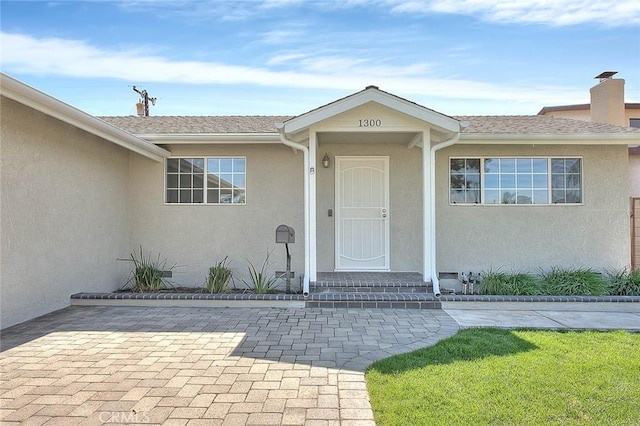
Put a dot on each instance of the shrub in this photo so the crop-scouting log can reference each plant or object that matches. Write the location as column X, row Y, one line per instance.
column 516, row 284
column 624, row 282
column 260, row 282
column 148, row 274
column 573, row 282
column 218, row 277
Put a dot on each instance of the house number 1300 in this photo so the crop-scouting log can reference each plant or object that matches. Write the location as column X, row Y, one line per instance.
column 371, row 122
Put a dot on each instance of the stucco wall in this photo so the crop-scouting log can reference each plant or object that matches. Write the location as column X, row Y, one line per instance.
column 405, row 199
column 595, row 234
column 196, row 237
column 634, row 175
column 63, row 213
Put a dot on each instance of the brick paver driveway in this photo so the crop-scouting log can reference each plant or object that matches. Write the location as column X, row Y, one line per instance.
column 210, row 366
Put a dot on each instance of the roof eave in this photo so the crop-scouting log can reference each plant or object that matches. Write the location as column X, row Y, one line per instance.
column 33, row 98
column 628, row 139
column 211, row 138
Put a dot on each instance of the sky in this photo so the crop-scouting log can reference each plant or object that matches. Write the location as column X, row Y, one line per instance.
column 286, row 57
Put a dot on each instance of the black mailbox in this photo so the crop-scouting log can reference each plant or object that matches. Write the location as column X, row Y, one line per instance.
column 285, row 234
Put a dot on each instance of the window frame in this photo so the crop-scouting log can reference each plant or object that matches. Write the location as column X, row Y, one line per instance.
column 205, row 187
column 549, row 188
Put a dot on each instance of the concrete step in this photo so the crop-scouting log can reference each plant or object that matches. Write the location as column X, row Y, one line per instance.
column 392, row 294
column 320, row 287
column 364, row 300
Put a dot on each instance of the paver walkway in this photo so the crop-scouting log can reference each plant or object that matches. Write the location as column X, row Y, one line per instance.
column 191, row 366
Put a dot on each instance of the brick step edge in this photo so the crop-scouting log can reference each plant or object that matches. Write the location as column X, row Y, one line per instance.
column 359, row 284
column 326, row 290
column 433, row 304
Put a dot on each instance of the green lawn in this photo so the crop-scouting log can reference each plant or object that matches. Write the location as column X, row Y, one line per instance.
column 491, row 376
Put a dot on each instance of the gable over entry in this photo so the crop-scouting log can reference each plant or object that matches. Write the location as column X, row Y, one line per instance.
column 363, row 121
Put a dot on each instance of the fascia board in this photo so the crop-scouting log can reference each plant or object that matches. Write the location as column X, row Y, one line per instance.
column 212, row 138
column 433, row 118
column 33, row 98
column 569, row 139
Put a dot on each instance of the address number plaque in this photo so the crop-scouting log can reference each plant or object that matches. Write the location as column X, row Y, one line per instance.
column 370, row 122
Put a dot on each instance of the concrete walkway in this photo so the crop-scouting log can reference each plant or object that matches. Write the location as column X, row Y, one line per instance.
column 556, row 315
column 201, row 366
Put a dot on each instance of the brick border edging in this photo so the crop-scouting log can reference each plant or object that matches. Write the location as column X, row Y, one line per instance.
column 585, row 299
column 185, row 296
column 313, row 297
column 352, row 297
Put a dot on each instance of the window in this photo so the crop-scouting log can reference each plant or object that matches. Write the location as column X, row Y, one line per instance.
column 566, row 180
column 514, row 180
column 206, row 180
column 634, row 122
column 465, row 180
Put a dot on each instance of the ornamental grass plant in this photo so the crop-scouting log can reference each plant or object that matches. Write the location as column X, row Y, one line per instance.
column 218, row 277
column 560, row 282
column 624, row 282
column 573, row 282
column 260, row 281
column 148, row 274
column 515, row 284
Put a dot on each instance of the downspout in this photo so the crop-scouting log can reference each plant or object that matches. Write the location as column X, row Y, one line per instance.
column 307, row 243
column 447, row 143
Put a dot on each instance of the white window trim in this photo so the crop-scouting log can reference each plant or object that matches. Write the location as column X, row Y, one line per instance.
column 549, row 180
column 205, row 195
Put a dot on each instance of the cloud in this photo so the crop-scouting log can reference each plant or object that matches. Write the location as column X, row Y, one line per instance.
column 267, row 4
column 286, row 58
column 76, row 58
column 280, row 36
column 196, row 10
column 551, row 12
column 546, row 12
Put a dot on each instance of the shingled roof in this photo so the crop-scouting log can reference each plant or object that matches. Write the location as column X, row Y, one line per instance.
column 197, row 124
column 499, row 124
column 538, row 125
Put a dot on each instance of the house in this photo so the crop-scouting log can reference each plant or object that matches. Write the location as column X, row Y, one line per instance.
column 608, row 106
column 369, row 182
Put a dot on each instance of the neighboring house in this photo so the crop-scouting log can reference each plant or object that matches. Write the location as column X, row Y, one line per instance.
column 370, row 182
column 608, row 106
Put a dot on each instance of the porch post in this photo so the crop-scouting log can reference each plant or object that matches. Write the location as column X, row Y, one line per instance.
column 313, row 163
column 427, row 273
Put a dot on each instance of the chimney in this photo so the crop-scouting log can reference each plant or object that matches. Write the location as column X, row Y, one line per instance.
column 607, row 100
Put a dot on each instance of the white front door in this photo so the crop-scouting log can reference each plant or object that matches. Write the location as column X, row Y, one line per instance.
column 362, row 210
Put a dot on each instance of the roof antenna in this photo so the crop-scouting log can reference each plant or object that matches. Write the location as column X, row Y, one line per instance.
column 143, row 105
